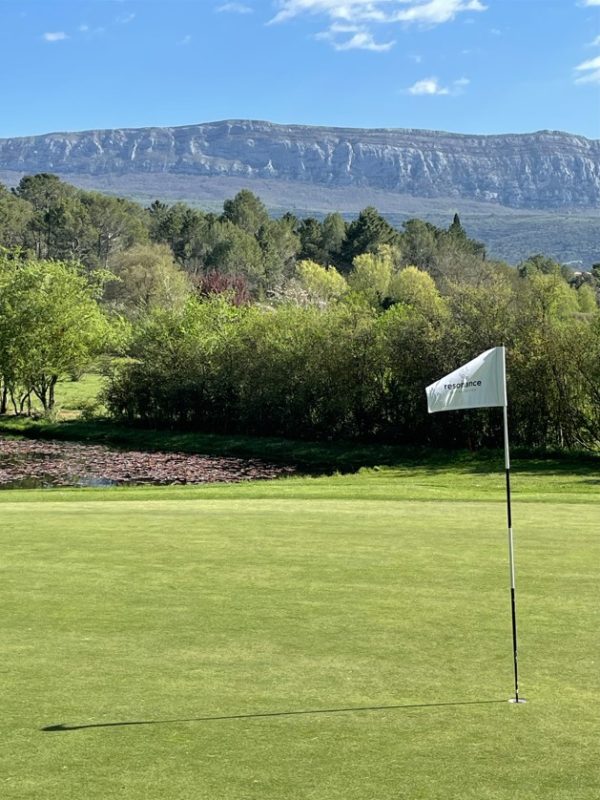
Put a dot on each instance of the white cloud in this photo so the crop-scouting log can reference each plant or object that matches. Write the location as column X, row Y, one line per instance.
column 595, row 42
column 341, row 27
column 57, row 36
column 431, row 86
column 361, row 39
column 364, row 41
column 125, row 19
column 436, row 12
column 590, row 70
column 593, row 63
column 591, row 2
column 428, row 86
column 186, row 40
column 234, row 8
column 362, row 15
column 348, row 10
column 361, row 11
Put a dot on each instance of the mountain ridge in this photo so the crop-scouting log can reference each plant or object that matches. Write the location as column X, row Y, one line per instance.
column 301, row 126
column 541, row 170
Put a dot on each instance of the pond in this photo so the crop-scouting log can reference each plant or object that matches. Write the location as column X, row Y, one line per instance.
column 34, row 464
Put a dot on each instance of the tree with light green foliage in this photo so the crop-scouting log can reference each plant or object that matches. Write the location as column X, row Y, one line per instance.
column 321, row 283
column 371, row 275
column 542, row 264
column 147, row 277
column 416, row 288
column 50, row 326
column 586, row 297
column 551, row 295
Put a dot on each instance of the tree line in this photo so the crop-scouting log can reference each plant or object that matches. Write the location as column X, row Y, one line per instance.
column 353, row 369
column 299, row 327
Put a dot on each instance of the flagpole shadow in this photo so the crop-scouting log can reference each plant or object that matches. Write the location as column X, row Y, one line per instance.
column 63, row 728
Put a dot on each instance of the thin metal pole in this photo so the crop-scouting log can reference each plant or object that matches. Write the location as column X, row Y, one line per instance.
column 511, row 554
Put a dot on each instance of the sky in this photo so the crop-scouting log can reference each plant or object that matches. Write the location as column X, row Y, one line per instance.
column 466, row 66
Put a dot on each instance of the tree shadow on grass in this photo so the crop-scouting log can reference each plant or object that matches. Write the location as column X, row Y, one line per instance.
column 63, row 728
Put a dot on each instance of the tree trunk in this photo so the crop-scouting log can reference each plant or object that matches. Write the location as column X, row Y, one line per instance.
column 51, row 386
column 14, row 403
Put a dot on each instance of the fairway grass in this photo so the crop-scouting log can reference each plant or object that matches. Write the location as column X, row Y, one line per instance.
column 341, row 638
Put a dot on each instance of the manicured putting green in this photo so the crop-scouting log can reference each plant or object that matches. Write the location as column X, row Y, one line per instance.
column 304, row 642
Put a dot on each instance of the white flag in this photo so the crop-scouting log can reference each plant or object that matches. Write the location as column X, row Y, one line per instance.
column 479, row 384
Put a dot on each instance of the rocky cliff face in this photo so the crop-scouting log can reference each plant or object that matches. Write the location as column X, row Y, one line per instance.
column 547, row 170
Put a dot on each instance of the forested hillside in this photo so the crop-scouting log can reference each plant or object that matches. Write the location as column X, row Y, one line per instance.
column 236, row 321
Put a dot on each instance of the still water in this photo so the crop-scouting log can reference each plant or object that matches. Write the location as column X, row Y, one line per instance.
column 34, row 464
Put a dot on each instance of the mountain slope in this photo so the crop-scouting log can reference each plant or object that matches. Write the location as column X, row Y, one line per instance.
column 544, row 170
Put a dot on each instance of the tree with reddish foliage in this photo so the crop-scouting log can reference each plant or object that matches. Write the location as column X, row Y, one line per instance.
column 235, row 286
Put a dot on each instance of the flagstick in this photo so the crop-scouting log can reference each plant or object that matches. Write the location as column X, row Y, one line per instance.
column 481, row 383
column 511, row 555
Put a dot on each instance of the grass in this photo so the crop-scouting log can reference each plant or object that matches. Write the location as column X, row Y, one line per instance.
column 73, row 396
column 333, row 638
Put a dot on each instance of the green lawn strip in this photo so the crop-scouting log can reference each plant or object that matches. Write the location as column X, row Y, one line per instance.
column 533, row 481
column 168, row 610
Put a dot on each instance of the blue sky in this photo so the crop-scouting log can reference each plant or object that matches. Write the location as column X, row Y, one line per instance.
column 468, row 66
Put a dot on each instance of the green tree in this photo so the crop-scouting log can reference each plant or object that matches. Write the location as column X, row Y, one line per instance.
column 50, row 326
column 233, row 251
column 115, row 224
column 371, row 275
column 458, row 235
column 456, row 229
column 416, row 288
column 279, row 245
column 15, row 218
column 539, row 264
column 367, row 233
column 246, row 211
column 586, row 297
column 420, row 244
column 333, row 236
column 49, row 198
column 185, row 230
column 147, row 277
column 311, row 236
column 321, row 283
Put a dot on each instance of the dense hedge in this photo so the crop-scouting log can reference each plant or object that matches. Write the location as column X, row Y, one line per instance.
column 352, row 371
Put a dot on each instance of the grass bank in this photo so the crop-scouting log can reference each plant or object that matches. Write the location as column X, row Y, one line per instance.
column 311, row 457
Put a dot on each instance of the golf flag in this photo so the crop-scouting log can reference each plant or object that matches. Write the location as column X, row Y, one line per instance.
column 479, row 384
column 482, row 384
